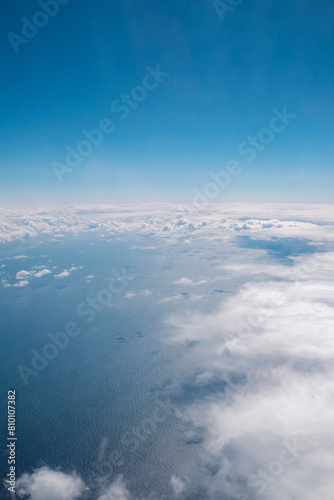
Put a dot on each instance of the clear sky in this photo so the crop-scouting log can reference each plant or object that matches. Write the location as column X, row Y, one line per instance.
column 223, row 71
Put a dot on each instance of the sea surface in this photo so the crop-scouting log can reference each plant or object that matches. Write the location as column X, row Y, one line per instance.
column 109, row 402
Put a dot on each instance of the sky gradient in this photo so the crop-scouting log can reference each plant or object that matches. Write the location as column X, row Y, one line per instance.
column 222, row 79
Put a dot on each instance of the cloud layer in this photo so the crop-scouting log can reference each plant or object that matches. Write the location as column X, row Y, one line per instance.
column 47, row 484
column 270, row 433
column 263, row 221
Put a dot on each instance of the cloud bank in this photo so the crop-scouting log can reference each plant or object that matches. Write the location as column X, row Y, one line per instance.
column 47, row 484
column 263, row 221
column 270, row 433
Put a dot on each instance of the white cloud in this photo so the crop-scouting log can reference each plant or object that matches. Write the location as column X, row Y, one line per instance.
column 260, row 221
column 116, row 491
column 63, row 274
column 188, row 282
column 269, row 343
column 144, row 293
column 20, row 284
column 177, row 485
column 183, row 281
column 66, row 272
column 272, row 344
column 24, row 274
column 41, row 273
column 47, row 484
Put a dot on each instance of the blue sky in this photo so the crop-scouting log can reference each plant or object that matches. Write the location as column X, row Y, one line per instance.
column 225, row 77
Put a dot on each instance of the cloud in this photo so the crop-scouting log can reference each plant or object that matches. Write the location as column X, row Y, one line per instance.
column 66, row 272
column 270, row 432
column 177, row 485
column 24, row 274
column 183, row 281
column 144, row 293
column 41, row 273
column 116, row 491
column 47, row 484
column 267, row 431
column 20, row 284
column 63, row 274
column 260, row 221
column 188, row 282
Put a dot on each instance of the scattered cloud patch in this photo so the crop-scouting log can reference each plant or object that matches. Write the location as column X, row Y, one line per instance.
column 20, row 284
column 183, row 281
column 177, row 486
column 66, row 272
column 116, row 491
column 47, row 484
column 188, row 282
column 41, row 273
column 144, row 293
column 271, row 344
column 24, row 274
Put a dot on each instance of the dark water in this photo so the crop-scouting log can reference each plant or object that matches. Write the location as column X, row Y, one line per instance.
column 105, row 405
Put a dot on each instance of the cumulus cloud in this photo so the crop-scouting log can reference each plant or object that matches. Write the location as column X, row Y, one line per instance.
column 41, row 273
column 20, row 284
column 183, row 281
column 47, row 484
column 116, row 491
column 66, row 272
column 270, row 433
column 177, row 485
column 263, row 221
column 21, row 275
column 188, row 282
column 24, row 277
